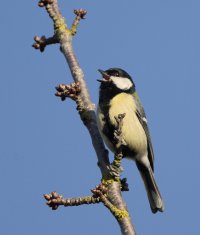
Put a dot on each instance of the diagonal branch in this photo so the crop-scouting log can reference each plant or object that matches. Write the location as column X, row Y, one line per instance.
column 113, row 199
column 64, row 36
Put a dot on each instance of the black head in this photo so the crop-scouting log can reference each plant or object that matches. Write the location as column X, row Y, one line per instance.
column 116, row 78
column 117, row 72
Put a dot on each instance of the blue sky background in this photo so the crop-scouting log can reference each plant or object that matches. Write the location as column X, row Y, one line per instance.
column 45, row 147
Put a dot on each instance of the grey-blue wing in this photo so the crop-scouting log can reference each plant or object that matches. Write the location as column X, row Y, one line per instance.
column 142, row 118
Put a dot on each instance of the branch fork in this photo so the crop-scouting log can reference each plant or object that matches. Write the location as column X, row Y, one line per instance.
column 100, row 192
column 54, row 200
column 59, row 24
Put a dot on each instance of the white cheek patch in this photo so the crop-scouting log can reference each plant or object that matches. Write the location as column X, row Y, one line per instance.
column 122, row 83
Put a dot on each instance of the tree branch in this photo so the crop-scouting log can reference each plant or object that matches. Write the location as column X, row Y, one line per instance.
column 112, row 198
column 54, row 200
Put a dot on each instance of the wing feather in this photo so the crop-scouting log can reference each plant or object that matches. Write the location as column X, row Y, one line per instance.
column 142, row 118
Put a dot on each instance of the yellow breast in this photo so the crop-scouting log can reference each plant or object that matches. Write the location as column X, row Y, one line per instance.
column 132, row 130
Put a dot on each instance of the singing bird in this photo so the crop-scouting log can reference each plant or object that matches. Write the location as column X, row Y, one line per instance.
column 117, row 95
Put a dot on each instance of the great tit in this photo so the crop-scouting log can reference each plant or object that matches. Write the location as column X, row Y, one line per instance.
column 117, row 95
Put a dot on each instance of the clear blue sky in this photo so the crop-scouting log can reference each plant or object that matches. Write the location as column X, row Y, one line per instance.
column 45, row 147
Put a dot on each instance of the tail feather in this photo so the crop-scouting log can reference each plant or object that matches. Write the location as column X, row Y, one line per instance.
column 155, row 199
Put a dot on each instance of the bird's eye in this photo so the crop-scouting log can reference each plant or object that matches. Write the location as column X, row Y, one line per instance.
column 113, row 73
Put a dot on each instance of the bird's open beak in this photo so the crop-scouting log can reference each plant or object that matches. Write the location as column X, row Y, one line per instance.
column 105, row 76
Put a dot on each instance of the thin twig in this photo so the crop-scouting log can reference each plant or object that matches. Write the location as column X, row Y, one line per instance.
column 54, row 200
